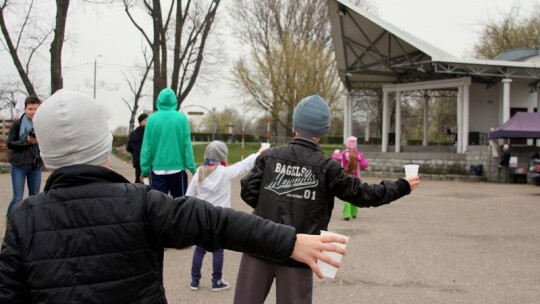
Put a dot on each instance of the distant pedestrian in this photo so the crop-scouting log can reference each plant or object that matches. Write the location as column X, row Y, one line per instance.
column 19, row 107
column 504, row 164
column 24, row 156
column 296, row 185
column 353, row 162
column 134, row 145
column 166, row 150
column 212, row 183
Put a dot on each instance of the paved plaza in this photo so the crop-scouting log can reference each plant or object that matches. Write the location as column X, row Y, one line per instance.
column 448, row 242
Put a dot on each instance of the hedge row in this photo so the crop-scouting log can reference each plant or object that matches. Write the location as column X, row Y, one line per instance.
column 332, row 140
column 120, row 140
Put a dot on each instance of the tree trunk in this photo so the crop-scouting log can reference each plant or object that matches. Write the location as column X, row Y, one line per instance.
column 159, row 81
column 190, row 36
column 13, row 52
column 198, row 50
column 57, row 82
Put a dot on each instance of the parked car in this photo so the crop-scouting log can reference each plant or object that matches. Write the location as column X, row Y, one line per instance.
column 534, row 171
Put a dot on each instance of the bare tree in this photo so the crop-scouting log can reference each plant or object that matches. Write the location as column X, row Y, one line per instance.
column 13, row 47
column 290, row 55
column 509, row 33
column 137, row 90
column 57, row 43
column 184, row 28
column 27, row 37
column 7, row 99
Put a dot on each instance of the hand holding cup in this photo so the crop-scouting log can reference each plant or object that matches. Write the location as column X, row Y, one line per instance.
column 310, row 248
column 411, row 175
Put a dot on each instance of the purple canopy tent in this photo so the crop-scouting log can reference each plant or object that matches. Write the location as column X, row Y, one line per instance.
column 521, row 125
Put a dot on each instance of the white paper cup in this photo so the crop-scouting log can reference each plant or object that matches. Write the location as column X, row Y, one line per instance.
column 265, row 145
column 336, row 151
column 411, row 170
column 146, row 181
column 328, row 270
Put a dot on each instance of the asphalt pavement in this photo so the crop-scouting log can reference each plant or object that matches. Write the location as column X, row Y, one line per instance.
column 447, row 242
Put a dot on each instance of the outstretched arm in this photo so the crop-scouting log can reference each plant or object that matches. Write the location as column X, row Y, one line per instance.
column 361, row 194
column 187, row 221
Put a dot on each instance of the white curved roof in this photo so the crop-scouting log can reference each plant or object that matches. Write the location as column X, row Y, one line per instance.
column 371, row 52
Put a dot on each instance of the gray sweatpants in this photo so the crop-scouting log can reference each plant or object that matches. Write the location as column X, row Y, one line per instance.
column 256, row 276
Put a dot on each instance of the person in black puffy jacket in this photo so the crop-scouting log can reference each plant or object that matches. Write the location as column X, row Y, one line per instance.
column 295, row 185
column 93, row 237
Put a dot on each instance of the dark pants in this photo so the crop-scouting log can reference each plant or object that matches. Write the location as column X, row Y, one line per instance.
column 505, row 172
column 217, row 264
column 173, row 184
column 256, row 276
column 137, row 173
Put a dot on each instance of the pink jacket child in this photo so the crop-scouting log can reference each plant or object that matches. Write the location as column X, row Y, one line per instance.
column 353, row 162
column 357, row 163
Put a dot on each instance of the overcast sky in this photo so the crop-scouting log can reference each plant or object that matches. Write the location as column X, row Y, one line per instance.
column 107, row 37
column 453, row 26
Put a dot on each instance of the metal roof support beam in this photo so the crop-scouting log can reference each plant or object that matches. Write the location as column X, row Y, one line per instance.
column 486, row 71
column 380, row 58
column 427, row 85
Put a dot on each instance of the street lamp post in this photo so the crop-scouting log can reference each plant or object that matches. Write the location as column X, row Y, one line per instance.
column 210, row 111
column 243, row 130
column 95, row 74
column 268, row 129
column 214, row 123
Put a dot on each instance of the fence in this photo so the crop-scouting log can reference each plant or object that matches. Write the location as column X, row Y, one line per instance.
column 5, row 125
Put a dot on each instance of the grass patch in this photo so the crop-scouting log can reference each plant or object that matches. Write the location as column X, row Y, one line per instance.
column 235, row 151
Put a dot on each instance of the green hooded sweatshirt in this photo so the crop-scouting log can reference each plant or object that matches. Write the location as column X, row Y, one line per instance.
column 167, row 138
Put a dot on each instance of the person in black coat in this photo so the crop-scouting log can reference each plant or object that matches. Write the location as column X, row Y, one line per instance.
column 93, row 237
column 296, row 184
column 134, row 145
column 504, row 164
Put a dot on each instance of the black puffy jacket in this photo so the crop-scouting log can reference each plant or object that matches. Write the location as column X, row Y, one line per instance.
column 22, row 153
column 296, row 184
column 92, row 237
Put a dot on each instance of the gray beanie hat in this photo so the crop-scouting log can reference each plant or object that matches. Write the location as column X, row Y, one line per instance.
column 72, row 129
column 312, row 116
column 216, row 151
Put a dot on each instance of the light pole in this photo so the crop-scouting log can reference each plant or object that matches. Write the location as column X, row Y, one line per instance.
column 95, row 74
column 294, row 100
column 268, row 128
column 214, row 123
column 210, row 111
column 242, row 147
